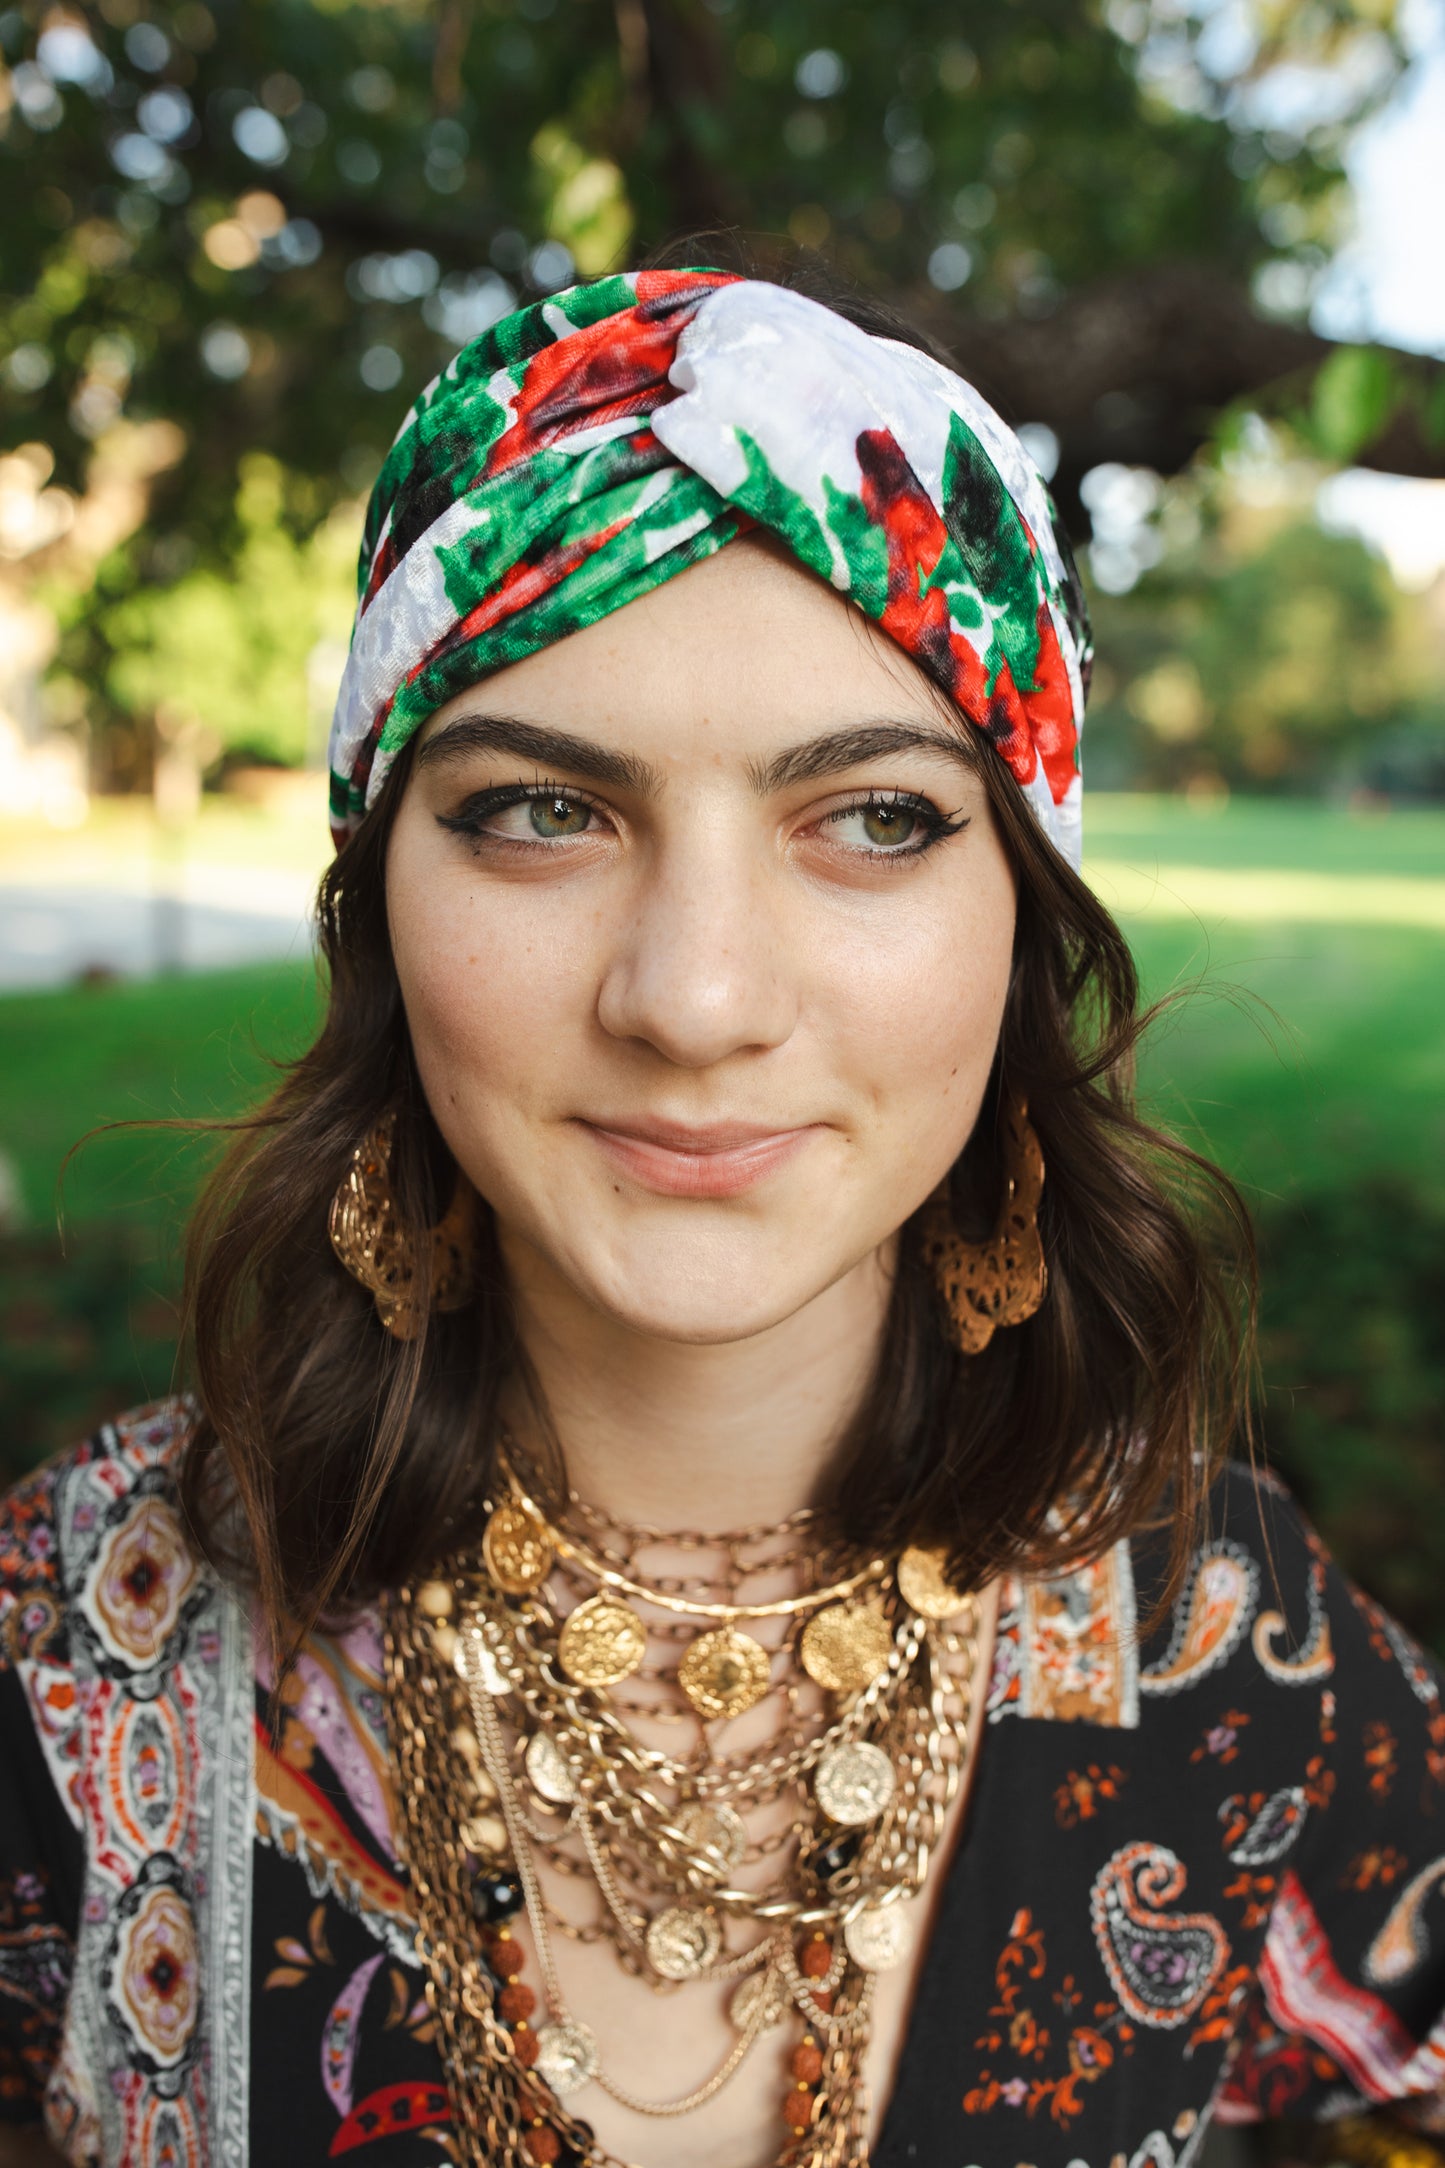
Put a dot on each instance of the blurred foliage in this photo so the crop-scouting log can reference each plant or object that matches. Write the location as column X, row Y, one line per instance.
column 85, row 1335
column 1353, row 1349
column 1259, row 651
column 237, row 233
column 249, row 654
column 261, row 219
column 1351, row 397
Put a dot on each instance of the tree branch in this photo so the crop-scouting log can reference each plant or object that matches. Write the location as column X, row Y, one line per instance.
column 1137, row 369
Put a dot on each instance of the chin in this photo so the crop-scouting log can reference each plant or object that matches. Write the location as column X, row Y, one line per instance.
column 700, row 1320
column 693, row 1304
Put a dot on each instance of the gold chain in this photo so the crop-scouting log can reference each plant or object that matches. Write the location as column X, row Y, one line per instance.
column 569, row 1547
column 647, row 1824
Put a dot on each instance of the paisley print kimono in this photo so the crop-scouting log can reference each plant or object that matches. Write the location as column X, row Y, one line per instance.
column 1203, row 1874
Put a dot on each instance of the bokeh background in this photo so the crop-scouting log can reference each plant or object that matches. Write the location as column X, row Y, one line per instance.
column 1195, row 247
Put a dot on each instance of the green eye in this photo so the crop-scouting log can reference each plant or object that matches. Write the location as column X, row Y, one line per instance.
column 552, row 817
column 888, row 824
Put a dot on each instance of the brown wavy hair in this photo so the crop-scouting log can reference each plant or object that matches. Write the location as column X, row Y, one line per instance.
column 331, row 1461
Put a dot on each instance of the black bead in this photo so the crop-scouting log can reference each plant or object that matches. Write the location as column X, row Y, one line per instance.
column 828, row 1863
column 495, row 1899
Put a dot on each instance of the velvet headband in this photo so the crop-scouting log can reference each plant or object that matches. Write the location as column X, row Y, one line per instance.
column 590, row 446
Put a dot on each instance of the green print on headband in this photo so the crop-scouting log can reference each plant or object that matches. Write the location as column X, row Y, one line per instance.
column 593, row 445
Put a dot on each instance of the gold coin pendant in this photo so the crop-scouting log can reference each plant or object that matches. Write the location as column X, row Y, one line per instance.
column 846, row 1647
column 516, row 1549
column 566, row 2055
column 924, row 1585
column 715, row 1828
column 879, row 1938
column 759, row 2002
column 683, row 1941
column 603, row 1641
column 854, row 1782
column 724, row 1673
column 549, row 1772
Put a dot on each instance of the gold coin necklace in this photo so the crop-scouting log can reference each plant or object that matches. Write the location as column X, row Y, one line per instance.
column 874, row 1639
column 601, row 1642
column 725, row 1671
column 682, row 1941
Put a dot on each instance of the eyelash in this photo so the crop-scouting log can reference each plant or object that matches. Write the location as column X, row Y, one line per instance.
column 479, row 809
column 471, row 820
column 937, row 827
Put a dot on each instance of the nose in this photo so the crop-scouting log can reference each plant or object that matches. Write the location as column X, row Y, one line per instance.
column 700, row 970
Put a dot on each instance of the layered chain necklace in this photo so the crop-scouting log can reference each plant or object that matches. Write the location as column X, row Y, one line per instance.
column 515, row 1678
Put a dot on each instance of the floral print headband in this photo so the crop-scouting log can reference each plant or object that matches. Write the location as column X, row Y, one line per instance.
column 590, row 446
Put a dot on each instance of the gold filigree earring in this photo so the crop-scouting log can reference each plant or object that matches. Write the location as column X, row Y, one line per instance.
column 1001, row 1281
column 379, row 1250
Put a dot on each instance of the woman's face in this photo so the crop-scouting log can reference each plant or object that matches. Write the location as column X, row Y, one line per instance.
column 703, row 926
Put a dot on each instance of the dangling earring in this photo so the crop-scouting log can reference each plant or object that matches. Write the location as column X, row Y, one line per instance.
column 1000, row 1281
column 378, row 1250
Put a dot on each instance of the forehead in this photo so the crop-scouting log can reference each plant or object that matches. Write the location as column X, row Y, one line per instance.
column 747, row 644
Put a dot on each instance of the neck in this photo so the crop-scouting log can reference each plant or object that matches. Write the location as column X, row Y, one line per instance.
column 711, row 1437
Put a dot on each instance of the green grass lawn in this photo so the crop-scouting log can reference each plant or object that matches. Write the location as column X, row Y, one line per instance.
column 1297, row 834
column 1299, row 1054
column 188, row 1048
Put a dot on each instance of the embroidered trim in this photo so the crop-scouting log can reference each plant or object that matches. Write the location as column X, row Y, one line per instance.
column 153, row 2069
column 1066, row 1650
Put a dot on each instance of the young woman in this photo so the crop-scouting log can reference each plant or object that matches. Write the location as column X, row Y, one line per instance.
column 692, row 1616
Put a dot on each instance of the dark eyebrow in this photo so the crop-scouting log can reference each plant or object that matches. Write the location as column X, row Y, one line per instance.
column 541, row 744
column 838, row 749
column 809, row 762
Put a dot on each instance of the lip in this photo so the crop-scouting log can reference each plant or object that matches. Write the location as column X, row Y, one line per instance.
column 717, row 1159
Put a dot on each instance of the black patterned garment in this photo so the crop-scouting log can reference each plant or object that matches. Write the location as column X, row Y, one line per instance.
column 1201, row 1877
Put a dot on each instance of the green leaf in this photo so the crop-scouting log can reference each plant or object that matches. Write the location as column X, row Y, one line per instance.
column 1432, row 415
column 1354, row 395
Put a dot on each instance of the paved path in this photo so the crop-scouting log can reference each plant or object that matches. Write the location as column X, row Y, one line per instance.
column 51, row 936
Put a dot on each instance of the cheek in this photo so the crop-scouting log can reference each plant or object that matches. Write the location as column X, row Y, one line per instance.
column 493, row 994
column 918, row 1023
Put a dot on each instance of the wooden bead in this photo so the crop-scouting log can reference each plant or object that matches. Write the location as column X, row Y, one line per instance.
column 806, row 2064
column 798, row 2108
column 822, row 1999
column 525, row 2046
column 816, row 1960
column 506, row 1957
column 542, row 2144
column 516, row 2003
